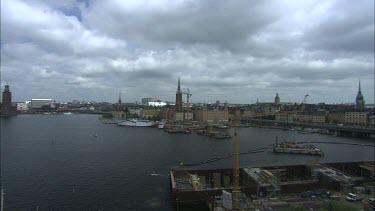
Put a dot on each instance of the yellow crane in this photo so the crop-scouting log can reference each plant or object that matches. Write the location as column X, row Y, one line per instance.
column 188, row 95
column 236, row 170
column 236, row 167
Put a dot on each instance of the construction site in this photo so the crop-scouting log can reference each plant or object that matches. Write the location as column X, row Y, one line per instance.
column 276, row 187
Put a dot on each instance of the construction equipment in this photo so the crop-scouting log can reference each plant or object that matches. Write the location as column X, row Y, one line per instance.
column 305, row 99
column 188, row 95
column 236, row 170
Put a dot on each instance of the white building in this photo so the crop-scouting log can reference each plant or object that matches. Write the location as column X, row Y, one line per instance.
column 23, row 106
column 138, row 111
column 157, row 104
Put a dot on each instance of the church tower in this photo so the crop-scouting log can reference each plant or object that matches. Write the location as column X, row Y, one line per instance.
column 277, row 100
column 359, row 101
column 178, row 97
column 6, row 107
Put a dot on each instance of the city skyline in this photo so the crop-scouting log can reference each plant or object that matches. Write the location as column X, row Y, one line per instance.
column 228, row 51
column 180, row 98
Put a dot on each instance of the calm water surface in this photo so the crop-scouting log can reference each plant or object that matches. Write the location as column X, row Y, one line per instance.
column 56, row 162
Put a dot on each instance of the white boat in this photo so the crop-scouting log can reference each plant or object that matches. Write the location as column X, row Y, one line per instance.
column 161, row 125
column 68, row 113
column 136, row 123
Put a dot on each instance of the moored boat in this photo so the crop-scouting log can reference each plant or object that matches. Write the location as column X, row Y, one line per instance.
column 221, row 135
column 136, row 123
column 161, row 125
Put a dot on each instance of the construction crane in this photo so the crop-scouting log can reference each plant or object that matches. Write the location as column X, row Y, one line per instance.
column 236, row 168
column 305, row 99
column 236, row 171
column 188, row 95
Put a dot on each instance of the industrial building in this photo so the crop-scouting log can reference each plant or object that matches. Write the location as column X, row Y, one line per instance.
column 41, row 104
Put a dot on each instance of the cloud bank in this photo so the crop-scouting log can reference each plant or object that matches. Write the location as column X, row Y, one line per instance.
column 235, row 51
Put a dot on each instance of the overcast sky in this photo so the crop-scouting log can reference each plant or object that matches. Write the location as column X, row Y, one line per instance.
column 234, row 51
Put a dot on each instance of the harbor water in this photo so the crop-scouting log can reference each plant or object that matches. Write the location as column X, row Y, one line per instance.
column 74, row 162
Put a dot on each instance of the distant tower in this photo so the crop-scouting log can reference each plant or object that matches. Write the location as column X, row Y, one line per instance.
column 359, row 101
column 119, row 98
column 6, row 107
column 277, row 99
column 178, row 97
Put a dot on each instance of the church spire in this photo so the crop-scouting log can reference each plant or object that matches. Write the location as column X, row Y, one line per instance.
column 119, row 98
column 359, row 86
column 178, row 83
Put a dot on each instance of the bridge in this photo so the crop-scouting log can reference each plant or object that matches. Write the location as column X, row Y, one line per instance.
column 344, row 130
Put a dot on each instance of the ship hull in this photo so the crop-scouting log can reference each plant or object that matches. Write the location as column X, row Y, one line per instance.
column 136, row 123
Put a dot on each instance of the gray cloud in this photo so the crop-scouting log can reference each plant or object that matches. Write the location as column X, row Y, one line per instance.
column 233, row 51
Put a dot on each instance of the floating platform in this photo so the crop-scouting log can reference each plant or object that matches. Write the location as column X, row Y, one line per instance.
column 292, row 148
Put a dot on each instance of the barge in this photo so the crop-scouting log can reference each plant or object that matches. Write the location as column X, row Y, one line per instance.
column 217, row 131
column 293, row 148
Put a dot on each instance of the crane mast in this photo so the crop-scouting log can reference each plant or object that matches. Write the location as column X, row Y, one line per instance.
column 305, row 99
column 188, row 95
column 236, row 170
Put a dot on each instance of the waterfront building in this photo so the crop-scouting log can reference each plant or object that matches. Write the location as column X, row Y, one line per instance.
column 359, row 101
column 336, row 117
column 182, row 115
column 214, row 115
column 6, row 107
column 277, row 100
column 178, row 97
column 371, row 118
column 167, row 113
column 313, row 118
column 285, row 116
column 119, row 115
column 356, row 117
column 150, row 112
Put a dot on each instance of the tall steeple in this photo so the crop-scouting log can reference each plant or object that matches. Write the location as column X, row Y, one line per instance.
column 178, row 89
column 359, row 100
column 178, row 97
column 119, row 98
